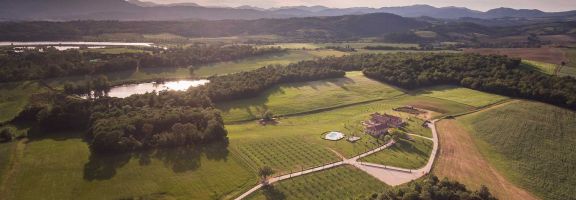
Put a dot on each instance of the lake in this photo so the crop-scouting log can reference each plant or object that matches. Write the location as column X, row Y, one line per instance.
column 127, row 90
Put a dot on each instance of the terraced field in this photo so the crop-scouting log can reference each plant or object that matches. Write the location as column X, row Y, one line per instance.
column 404, row 154
column 344, row 182
column 532, row 144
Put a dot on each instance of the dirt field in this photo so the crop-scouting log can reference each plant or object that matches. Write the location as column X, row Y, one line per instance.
column 547, row 55
column 460, row 160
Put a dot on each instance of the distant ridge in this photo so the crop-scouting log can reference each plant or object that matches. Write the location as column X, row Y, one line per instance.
column 139, row 10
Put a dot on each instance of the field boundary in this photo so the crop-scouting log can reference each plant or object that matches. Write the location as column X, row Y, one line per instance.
column 320, row 110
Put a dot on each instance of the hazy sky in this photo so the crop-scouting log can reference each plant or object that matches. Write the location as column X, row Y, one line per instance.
column 547, row 5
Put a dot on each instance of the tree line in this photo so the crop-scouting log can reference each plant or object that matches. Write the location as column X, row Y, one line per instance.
column 165, row 119
column 492, row 73
column 49, row 62
column 432, row 188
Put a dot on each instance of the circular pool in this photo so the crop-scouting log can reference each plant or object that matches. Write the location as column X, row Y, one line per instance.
column 334, row 136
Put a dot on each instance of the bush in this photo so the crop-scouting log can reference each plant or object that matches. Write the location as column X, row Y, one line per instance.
column 7, row 135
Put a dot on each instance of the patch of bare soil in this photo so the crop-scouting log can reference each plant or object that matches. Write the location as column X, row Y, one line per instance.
column 459, row 159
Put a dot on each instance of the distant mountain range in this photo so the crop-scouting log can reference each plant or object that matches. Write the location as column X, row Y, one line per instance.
column 140, row 10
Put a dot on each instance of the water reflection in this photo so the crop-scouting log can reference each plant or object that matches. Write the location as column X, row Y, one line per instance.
column 124, row 91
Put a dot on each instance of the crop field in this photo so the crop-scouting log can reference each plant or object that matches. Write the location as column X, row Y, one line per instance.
column 302, row 97
column 463, row 95
column 461, row 160
column 14, row 97
column 546, row 68
column 345, row 182
column 532, row 144
column 115, row 50
column 546, row 55
column 404, row 154
column 285, row 154
column 62, row 167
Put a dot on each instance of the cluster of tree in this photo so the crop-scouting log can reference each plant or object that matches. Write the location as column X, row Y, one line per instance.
column 434, row 189
column 130, row 128
column 342, row 49
column 494, row 74
column 100, row 83
column 50, row 62
column 251, row 83
column 382, row 47
column 201, row 54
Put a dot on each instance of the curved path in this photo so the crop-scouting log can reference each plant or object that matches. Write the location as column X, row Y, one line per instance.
column 390, row 175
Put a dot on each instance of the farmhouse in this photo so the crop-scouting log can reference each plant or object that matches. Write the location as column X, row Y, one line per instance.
column 379, row 124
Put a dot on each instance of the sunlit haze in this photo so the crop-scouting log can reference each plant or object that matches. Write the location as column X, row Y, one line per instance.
column 550, row 5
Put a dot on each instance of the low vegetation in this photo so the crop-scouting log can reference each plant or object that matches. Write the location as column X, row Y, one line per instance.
column 344, row 182
column 432, row 188
column 405, row 154
column 532, row 144
column 463, row 95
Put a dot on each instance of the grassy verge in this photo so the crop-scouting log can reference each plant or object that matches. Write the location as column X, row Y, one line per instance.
column 344, row 182
column 404, row 154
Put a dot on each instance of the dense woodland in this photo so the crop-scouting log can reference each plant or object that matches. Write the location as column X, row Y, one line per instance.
column 34, row 64
column 434, row 189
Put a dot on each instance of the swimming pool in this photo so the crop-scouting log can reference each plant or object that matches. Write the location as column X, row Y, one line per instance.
column 334, row 136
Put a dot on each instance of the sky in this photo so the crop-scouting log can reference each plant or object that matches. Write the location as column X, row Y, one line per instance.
column 483, row 5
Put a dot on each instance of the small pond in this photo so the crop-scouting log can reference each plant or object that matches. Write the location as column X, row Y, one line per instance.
column 127, row 90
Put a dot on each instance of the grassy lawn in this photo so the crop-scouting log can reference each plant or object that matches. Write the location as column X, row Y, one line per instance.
column 14, row 97
column 404, row 154
column 62, row 167
column 543, row 67
column 302, row 97
column 343, row 182
column 532, row 144
column 463, row 95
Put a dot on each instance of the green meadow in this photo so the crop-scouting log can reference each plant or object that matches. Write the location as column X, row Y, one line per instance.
column 15, row 96
column 532, row 144
column 463, row 95
column 404, row 154
column 343, row 182
column 296, row 98
column 62, row 167
column 543, row 67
